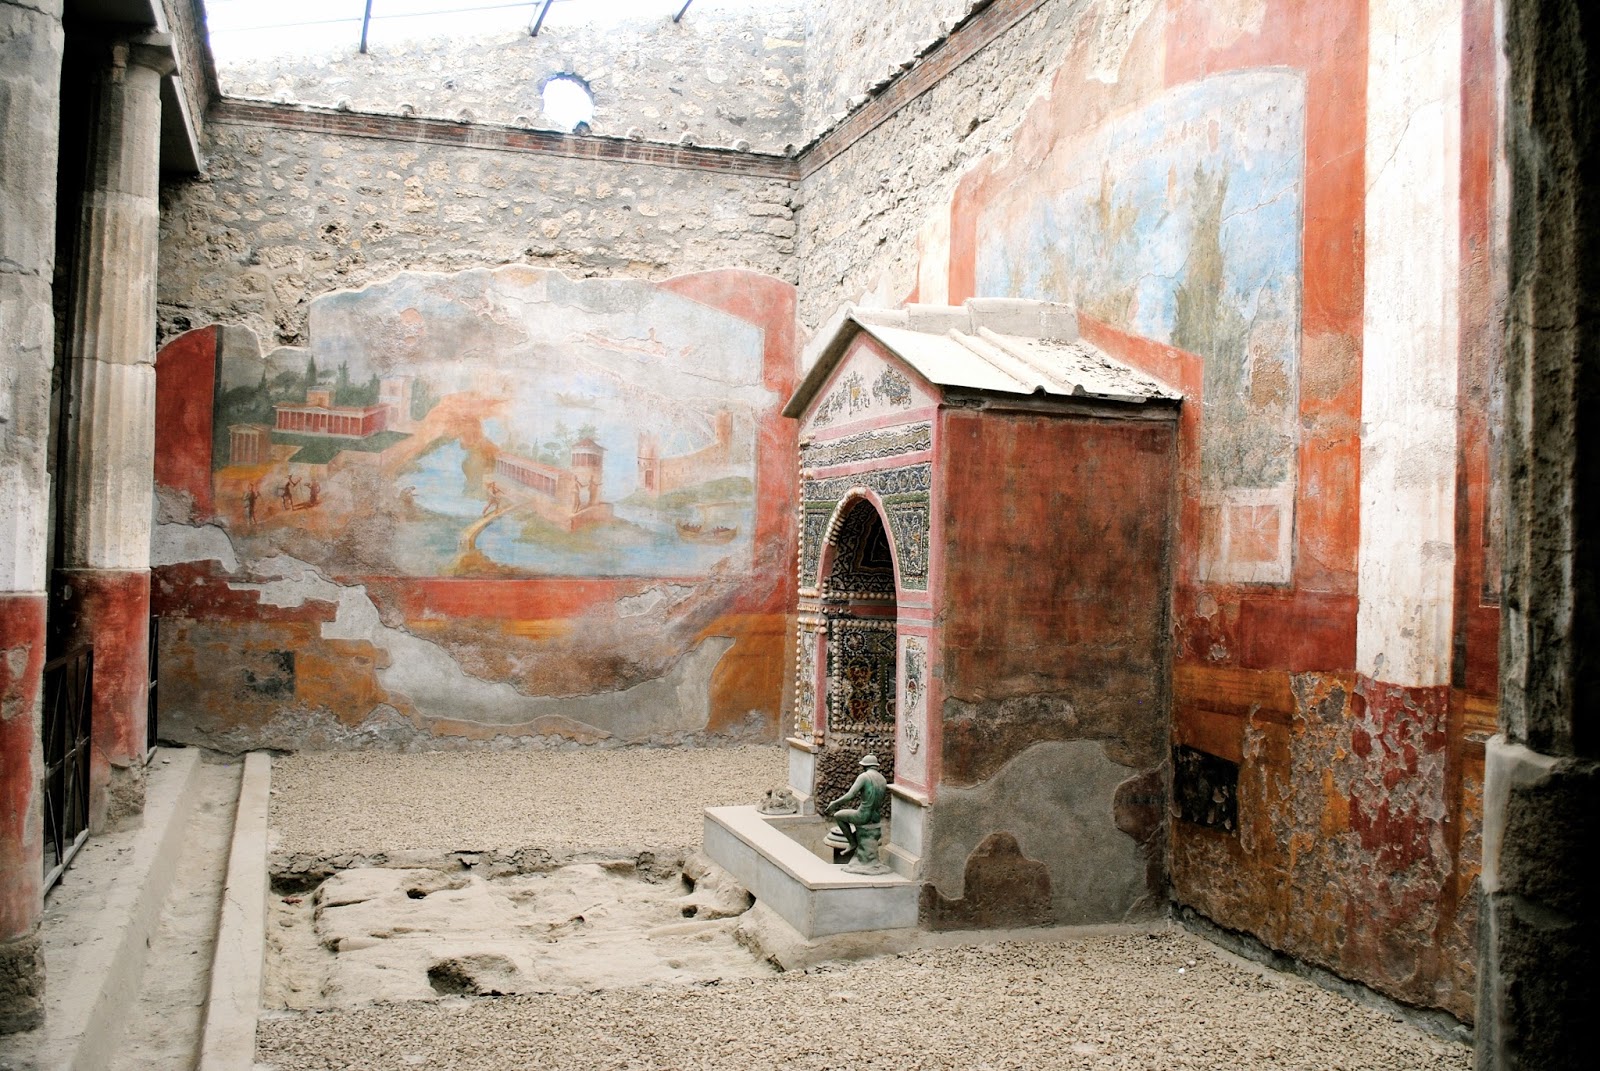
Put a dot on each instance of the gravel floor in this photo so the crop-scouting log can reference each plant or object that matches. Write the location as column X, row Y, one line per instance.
column 1166, row 1000
column 332, row 802
column 1147, row 1001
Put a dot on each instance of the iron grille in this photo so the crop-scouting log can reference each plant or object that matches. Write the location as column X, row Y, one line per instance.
column 150, row 698
column 68, row 684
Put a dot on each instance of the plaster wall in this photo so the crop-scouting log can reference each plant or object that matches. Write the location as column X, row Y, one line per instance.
column 1194, row 177
column 721, row 76
column 1053, row 696
column 283, row 215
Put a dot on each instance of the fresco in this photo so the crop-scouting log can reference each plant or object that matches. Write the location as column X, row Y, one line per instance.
column 869, row 389
column 1181, row 222
column 498, row 423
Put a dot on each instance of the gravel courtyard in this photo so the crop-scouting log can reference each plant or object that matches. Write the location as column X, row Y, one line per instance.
column 368, row 801
column 1163, row 999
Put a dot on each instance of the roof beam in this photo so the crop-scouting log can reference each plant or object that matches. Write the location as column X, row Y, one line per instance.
column 538, row 22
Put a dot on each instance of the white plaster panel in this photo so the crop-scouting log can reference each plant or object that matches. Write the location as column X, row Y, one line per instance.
column 933, row 261
column 1408, row 383
column 802, row 771
column 176, row 544
column 908, row 827
column 911, row 726
column 855, row 910
column 865, row 386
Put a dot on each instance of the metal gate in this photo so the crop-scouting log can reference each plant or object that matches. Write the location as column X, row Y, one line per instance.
column 68, row 681
column 150, row 709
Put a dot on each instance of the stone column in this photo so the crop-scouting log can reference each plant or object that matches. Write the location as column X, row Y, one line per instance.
column 1539, row 935
column 102, row 586
column 30, row 79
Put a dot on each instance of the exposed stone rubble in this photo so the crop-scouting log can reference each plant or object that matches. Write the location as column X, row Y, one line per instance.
column 282, row 217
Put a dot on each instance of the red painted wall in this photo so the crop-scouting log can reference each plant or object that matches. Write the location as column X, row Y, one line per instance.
column 1359, row 800
column 1052, row 606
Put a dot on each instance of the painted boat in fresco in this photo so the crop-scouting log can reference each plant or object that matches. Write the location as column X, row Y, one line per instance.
column 699, row 533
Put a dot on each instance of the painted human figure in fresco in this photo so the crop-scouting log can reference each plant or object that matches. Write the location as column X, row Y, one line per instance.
column 314, row 490
column 251, row 497
column 869, row 789
column 286, row 492
column 493, row 505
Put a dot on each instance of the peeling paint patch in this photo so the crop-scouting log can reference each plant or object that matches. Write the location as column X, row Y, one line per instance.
column 176, row 544
column 1055, row 801
column 432, row 680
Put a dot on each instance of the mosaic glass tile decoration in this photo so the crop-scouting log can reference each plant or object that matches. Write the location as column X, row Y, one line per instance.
column 862, row 561
column 868, row 445
column 904, row 491
column 861, row 675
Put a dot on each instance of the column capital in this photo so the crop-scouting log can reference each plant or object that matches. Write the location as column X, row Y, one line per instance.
column 153, row 51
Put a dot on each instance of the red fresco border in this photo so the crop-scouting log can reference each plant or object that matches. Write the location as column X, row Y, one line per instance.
column 22, row 625
column 186, row 379
column 1476, row 664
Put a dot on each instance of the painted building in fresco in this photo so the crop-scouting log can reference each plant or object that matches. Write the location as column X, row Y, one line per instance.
column 468, row 488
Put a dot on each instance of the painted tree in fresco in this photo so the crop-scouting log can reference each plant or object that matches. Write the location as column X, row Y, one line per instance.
column 252, row 404
column 346, row 392
column 1245, row 444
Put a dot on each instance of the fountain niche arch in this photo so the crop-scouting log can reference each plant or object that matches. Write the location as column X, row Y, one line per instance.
column 857, row 590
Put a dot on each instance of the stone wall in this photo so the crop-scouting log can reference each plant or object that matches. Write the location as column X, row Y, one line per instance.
column 186, row 21
column 860, row 214
column 851, row 47
column 722, row 76
column 283, row 215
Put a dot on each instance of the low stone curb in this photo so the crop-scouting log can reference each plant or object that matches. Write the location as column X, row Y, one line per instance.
column 98, row 925
column 229, row 1040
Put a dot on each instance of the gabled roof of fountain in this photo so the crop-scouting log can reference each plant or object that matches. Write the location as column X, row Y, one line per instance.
column 989, row 345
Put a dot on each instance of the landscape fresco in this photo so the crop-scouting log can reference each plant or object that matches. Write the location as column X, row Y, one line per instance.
column 1180, row 222
column 498, row 423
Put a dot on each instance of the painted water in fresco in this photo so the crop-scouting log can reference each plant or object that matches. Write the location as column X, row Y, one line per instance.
column 1180, row 222
column 499, row 423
